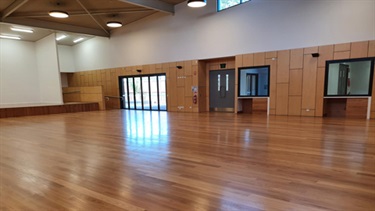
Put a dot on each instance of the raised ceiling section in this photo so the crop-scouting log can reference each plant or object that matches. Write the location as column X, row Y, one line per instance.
column 85, row 16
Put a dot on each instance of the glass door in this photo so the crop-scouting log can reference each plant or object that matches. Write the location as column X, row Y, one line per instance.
column 146, row 92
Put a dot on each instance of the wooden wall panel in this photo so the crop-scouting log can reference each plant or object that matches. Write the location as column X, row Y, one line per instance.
column 295, row 83
column 180, row 98
column 371, row 49
column 238, row 64
column 259, row 105
column 188, row 106
column 188, row 86
column 273, row 86
column 187, row 66
column 271, row 54
column 172, row 89
column 341, row 55
column 248, row 60
column 359, row 49
column 259, row 59
column 84, row 94
column 308, row 112
column 356, row 108
column 296, row 58
column 238, row 60
column 283, row 66
column 311, row 50
column 342, row 47
column 294, row 107
column 372, row 111
column 309, row 82
column 286, row 78
column 47, row 110
column 325, row 54
column 319, row 101
column 282, row 94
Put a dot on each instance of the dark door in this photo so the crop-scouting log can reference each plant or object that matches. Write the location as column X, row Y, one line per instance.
column 222, row 90
column 252, row 84
column 342, row 85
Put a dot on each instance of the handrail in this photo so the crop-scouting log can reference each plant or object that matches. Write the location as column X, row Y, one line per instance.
column 116, row 97
column 72, row 92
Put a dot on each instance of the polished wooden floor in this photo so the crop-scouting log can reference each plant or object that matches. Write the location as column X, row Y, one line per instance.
column 134, row 160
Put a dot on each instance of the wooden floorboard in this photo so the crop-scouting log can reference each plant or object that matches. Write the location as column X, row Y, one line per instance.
column 135, row 160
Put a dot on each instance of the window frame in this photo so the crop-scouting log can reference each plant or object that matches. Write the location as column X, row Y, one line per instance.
column 326, row 74
column 218, row 5
column 254, row 67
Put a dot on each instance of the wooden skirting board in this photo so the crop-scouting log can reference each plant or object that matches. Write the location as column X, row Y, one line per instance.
column 48, row 109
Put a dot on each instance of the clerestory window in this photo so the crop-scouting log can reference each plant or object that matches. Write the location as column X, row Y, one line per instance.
column 224, row 4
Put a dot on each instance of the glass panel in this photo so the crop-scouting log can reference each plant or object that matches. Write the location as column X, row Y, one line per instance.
column 258, row 85
column 146, row 93
column 218, row 82
column 223, row 4
column 138, row 92
column 154, row 92
column 227, row 82
column 125, row 91
column 162, row 93
column 131, row 93
column 349, row 78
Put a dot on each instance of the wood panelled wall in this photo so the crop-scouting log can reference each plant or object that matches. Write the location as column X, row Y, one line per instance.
column 48, row 109
column 296, row 78
column 179, row 82
column 84, row 94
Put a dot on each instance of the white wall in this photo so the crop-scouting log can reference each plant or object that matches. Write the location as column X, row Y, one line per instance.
column 19, row 83
column 66, row 58
column 93, row 54
column 256, row 26
column 48, row 68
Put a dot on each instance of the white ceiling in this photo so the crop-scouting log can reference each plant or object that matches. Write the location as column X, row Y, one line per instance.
column 39, row 33
column 87, row 18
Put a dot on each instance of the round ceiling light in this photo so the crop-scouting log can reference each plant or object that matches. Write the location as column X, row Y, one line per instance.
column 114, row 24
column 196, row 3
column 58, row 14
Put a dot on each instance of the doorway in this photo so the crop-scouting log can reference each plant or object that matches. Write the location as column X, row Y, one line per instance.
column 146, row 92
column 222, row 90
column 252, row 84
column 342, row 85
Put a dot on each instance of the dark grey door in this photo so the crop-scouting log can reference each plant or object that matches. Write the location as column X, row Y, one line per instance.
column 343, row 79
column 222, row 90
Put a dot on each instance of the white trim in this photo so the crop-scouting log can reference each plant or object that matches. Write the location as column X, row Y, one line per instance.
column 369, row 108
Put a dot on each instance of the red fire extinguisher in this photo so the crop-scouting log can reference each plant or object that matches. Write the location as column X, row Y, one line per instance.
column 195, row 99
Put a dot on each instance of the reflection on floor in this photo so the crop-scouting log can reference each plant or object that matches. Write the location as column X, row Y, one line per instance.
column 143, row 160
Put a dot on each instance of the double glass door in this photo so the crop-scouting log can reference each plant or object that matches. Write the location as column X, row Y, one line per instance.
column 146, row 92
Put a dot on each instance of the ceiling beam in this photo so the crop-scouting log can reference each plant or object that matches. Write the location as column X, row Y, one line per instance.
column 13, row 7
column 93, row 18
column 152, row 4
column 82, row 13
column 56, row 26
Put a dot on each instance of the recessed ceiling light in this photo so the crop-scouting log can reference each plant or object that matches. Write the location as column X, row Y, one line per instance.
column 21, row 30
column 61, row 37
column 58, row 14
column 196, row 3
column 78, row 40
column 10, row 37
column 114, row 24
